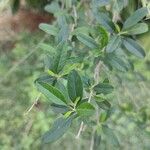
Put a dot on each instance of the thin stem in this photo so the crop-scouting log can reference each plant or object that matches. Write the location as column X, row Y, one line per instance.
column 92, row 140
column 122, row 33
column 82, row 124
column 62, row 4
column 80, row 130
column 90, row 96
column 97, row 72
column 75, row 21
column 35, row 102
column 75, row 15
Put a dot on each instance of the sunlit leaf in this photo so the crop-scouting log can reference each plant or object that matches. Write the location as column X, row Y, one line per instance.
column 103, row 116
column 103, row 37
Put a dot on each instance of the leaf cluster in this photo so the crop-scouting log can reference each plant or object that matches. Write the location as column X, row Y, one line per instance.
column 85, row 35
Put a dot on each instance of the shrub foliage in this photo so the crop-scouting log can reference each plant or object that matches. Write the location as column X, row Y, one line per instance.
column 91, row 40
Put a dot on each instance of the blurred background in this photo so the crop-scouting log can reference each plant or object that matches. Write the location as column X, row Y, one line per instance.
column 21, row 62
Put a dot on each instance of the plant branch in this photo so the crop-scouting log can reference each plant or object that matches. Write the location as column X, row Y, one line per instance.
column 96, row 78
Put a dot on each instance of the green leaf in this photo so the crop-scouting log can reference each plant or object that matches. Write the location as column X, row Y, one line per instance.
column 83, row 30
column 69, row 113
column 139, row 28
column 81, row 102
column 100, row 98
column 85, row 109
column 46, row 47
column 101, row 3
column 116, row 62
column 68, row 4
column 45, row 78
column 52, row 93
column 110, row 136
column 60, row 58
column 75, row 87
column 59, row 108
column 68, row 68
column 106, row 80
column 61, row 13
column 49, row 29
column 133, row 47
column 103, row 37
column 103, row 88
column 60, row 126
column 87, row 40
column 62, row 86
column 119, row 5
column 48, row 62
column 53, row 7
column 104, row 105
column 113, row 44
column 103, row 116
column 129, row 10
column 104, row 20
column 63, row 34
column 51, row 73
column 137, row 16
